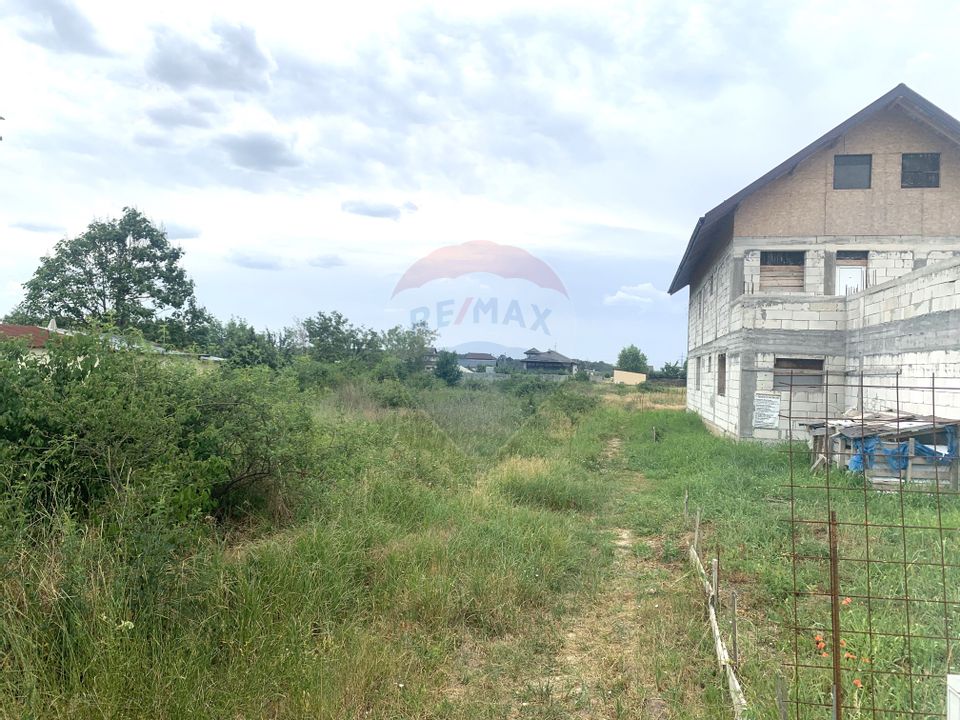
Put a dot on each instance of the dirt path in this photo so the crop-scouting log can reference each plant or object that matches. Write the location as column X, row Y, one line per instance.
column 599, row 670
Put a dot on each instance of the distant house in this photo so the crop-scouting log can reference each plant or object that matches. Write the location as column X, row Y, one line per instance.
column 472, row 360
column 549, row 361
column 35, row 337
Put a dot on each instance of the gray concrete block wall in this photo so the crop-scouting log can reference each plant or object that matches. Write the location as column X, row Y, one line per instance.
column 924, row 301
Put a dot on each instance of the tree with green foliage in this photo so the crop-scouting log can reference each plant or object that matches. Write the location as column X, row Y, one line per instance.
column 123, row 272
column 632, row 360
column 333, row 338
column 408, row 346
column 673, row 370
column 448, row 367
column 243, row 346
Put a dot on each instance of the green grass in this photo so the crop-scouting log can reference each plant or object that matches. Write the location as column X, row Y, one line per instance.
column 436, row 565
column 407, row 551
column 741, row 490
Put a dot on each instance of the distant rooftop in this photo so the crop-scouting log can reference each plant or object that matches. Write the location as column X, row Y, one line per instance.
column 547, row 356
column 36, row 337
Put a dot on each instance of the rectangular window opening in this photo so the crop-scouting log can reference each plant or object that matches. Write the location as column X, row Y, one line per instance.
column 920, row 170
column 852, row 172
column 697, row 375
column 781, row 271
column 722, row 374
column 851, row 271
column 799, row 373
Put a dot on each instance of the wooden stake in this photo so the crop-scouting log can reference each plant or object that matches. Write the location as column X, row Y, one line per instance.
column 716, row 580
column 736, row 647
column 782, row 698
column 714, row 572
column 686, row 504
column 696, row 533
column 911, row 451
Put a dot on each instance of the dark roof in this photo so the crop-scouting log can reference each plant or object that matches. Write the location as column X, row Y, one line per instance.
column 549, row 356
column 532, row 351
column 709, row 227
column 477, row 356
column 36, row 337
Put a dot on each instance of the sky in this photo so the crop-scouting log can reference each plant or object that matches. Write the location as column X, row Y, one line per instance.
column 305, row 155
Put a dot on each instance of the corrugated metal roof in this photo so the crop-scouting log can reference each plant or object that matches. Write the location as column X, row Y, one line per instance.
column 707, row 229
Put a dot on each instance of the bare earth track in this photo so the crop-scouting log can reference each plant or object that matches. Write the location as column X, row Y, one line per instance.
column 599, row 669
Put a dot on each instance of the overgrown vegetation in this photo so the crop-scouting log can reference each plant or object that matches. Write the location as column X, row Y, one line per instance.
column 181, row 540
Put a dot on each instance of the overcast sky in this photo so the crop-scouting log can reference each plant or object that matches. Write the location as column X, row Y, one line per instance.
column 306, row 154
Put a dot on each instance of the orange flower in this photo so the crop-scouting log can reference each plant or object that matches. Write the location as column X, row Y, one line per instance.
column 846, row 601
column 865, row 659
column 824, row 654
column 849, row 656
column 843, row 643
column 818, row 638
column 858, row 683
column 821, row 645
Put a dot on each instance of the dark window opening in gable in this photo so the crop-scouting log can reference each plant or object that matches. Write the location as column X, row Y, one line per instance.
column 852, row 257
column 722, row 374
column 799, row 373
column 781, row 258
column 781, row 271
column 920, row 170
column 852, row 172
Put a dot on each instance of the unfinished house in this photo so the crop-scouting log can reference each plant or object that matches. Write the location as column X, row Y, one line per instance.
column 840, row 263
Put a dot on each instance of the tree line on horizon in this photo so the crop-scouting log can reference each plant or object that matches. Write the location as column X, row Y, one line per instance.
column 126, row 275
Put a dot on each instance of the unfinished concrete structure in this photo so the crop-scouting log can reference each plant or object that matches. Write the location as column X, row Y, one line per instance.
column 844, row 259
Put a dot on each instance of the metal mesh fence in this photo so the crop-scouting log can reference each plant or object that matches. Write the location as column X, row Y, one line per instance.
column 874, row 539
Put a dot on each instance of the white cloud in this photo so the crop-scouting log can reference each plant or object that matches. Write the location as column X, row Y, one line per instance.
column 642, row 294
column 600, row 132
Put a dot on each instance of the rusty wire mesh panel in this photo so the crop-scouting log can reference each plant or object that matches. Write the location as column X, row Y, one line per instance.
column 875, row 545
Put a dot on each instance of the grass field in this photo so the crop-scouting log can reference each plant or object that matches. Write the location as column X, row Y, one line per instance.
column 477, row 554
column 741, row 490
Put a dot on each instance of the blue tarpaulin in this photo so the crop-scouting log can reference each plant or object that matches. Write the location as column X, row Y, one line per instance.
column 865, row 450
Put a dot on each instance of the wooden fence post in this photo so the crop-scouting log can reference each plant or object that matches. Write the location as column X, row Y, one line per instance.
column 736, row 647
column 782, row 698
column 696, row 533
column 714, row 576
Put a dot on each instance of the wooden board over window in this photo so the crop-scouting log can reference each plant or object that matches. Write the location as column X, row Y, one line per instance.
column 798, row 373
column 781, row 271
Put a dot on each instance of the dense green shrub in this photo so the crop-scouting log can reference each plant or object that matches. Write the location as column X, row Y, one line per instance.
column 573, row 402
column 391, row 393
column 88, row 423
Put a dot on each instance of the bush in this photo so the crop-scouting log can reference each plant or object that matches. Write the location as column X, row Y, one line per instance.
column 89, row 424
column 447, row 368
column 573, row 403
column 391, row 393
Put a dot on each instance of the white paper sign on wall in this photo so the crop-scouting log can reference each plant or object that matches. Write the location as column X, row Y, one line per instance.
column 766, row 410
